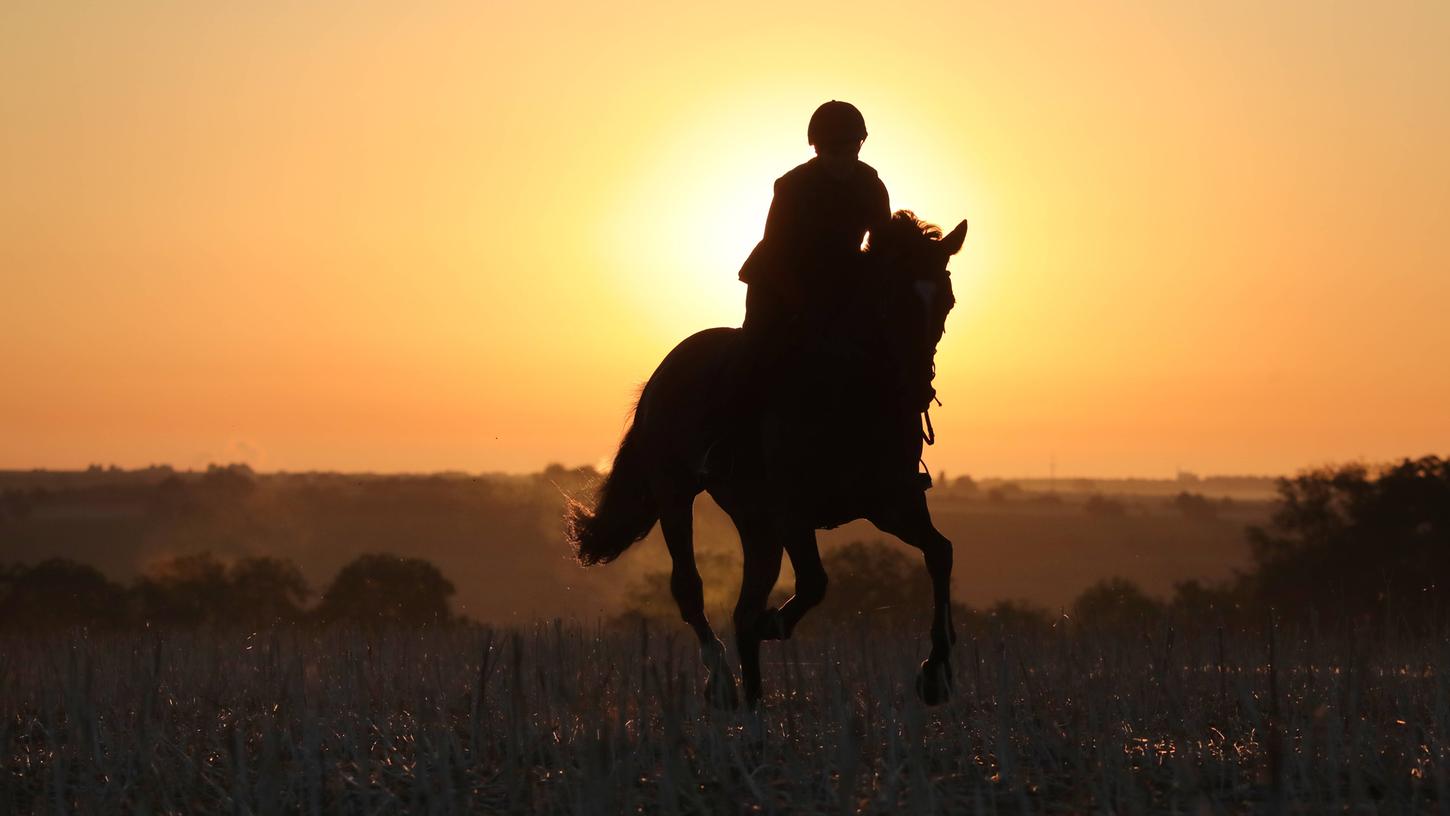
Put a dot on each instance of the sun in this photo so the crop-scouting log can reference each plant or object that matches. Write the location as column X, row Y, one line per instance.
column 690, row 203
column 702, row 208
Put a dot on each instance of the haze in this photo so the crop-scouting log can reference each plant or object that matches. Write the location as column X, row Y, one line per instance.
column 372, row 236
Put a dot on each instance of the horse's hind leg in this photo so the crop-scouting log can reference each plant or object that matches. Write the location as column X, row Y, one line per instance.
column 762, row 568
column 911, row 522
column 677, row 523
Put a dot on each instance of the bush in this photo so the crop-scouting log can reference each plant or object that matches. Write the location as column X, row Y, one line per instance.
column 386, row 589
column 58, row 594
column 1115, row 603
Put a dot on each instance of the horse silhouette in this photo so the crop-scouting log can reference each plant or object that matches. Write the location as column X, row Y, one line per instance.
column 871, row 367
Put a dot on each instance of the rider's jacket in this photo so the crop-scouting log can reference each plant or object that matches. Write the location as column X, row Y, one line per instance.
column 813, row 233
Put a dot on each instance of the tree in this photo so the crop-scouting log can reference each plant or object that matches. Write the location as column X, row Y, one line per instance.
column 1225, row 603
column 383, row 589
column 1353, row 542
column 185, row 590
column 266, row 591
column 199, row 589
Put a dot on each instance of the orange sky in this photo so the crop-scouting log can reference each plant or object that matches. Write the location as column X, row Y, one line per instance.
column 368, row 236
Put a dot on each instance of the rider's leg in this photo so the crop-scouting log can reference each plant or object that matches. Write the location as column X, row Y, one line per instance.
column 746, row 379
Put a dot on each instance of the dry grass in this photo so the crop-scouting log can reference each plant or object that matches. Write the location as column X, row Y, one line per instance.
column 567, row 719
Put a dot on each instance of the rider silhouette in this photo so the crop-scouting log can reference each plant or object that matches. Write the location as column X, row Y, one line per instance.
column 818, row 218
column 806, row 264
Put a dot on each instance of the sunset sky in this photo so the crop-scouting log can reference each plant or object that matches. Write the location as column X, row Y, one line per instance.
column 426, row 236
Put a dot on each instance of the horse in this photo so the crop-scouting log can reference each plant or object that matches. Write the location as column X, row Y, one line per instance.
column 874, row 363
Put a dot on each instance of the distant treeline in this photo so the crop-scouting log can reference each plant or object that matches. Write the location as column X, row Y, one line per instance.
column 200, row 590
column 497, row 537
column 165, row 548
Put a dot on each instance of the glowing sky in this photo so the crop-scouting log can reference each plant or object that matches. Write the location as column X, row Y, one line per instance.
column 392, row 236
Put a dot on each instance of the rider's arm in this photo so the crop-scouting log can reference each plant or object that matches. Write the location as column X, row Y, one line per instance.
column 879, row 205
column 774, row 260
column 779, row 222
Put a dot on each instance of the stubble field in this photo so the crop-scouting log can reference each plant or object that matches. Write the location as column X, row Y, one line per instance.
column 562, row 718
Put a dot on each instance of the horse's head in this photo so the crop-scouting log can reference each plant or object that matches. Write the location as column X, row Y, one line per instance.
column 910, row 258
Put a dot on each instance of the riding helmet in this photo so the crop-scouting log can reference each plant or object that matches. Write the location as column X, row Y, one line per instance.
column 836, row 121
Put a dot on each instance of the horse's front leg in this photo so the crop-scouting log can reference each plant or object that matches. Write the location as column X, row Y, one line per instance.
column 911, row 522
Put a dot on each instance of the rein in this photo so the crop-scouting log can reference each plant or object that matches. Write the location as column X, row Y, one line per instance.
column 928, row 433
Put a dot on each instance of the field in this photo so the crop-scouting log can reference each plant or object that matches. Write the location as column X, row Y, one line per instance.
column 563, row 718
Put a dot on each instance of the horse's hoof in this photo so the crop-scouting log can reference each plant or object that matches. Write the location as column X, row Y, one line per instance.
column 752, row 701
column 720, row 690
column 934, row 683
column 719, row 680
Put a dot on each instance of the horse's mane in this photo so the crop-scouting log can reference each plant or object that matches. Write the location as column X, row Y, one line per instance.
column 903, row 227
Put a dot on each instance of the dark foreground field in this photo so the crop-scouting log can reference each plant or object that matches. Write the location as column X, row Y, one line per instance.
column 565, row 719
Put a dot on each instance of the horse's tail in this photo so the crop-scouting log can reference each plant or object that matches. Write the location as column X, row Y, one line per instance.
column 626, row 510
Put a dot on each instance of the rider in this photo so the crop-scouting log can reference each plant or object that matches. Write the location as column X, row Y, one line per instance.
column 803, row 268
column 820, row 214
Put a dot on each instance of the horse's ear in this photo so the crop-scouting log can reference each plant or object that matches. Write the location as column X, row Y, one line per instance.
column 952, row 243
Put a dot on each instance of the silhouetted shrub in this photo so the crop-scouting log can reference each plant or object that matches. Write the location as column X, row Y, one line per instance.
column 875, row 581
column 200, row 590
column 266, row 591
column 185, row 590
column 385, row 589
column 1115, row 603
column 1014, row 616
column 650, row 597
column 1230, row 603
column 57, row 593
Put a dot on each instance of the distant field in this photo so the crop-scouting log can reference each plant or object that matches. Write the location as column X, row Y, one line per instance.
column 499, row 538
column 562, row 719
